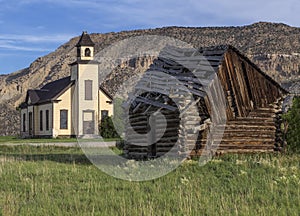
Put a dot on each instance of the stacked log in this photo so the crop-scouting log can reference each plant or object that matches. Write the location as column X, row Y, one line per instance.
column 193, row 102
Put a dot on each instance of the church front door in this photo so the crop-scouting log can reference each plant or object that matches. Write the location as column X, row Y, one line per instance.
column 88, row 122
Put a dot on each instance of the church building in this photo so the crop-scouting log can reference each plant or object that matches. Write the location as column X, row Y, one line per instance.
column 71, row 106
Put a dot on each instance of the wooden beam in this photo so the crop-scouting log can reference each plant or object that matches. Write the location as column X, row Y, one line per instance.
column 155, row 103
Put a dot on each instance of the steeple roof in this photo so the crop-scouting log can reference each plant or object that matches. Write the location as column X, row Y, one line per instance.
column 85, row 40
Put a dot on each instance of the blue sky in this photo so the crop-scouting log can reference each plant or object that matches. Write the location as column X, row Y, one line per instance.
column 33, row 28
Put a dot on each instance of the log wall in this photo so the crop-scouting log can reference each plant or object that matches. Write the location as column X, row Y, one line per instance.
column 246, row 87
column 191, row 100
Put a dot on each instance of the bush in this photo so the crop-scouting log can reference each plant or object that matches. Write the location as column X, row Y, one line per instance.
column 107, row 129
column 293, row 132
column 118, row 117
column 120, row 144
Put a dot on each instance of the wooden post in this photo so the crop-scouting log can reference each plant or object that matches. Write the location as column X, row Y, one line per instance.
column 152, row 135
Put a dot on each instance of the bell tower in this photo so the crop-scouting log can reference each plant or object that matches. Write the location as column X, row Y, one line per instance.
column 85, row 47
column 85, row 105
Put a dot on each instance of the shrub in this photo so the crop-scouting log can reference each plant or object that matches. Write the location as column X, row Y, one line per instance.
column 120, row 144
column 293, row 132
column 118, row 117
column 107, row 129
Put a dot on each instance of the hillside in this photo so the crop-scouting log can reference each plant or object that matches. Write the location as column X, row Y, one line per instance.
column 273, row 47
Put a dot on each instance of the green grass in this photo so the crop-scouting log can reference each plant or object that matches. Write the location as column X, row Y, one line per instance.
column 17, row 140
column 61, row 181
column 13, row 139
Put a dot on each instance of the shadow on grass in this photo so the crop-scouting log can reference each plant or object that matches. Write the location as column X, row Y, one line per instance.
column 62, row 158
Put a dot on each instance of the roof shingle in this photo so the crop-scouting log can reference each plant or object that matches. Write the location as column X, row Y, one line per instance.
column 50, row 91
column 85, row 40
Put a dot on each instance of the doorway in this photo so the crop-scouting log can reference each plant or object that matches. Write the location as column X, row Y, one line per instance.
column 88, row 122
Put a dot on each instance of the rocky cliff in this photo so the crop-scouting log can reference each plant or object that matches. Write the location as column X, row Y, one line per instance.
column 272, row 46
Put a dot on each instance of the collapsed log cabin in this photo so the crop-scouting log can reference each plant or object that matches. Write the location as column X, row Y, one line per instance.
column 207, row 101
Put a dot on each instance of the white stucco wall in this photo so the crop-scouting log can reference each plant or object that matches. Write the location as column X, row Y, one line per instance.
column 30, row 109
column 24, row 133
column 63, row 104
column 43, row 108
column 103, row 105
column 74, row 70
column 79, row 104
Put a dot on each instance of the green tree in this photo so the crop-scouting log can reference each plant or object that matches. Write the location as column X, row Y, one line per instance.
column 107, row 129
column 118, row 117
column 293, row 131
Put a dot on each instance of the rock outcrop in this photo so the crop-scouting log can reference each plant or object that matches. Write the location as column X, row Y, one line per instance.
column 273, row 47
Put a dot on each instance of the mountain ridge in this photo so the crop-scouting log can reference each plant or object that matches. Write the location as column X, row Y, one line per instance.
column 274, row 47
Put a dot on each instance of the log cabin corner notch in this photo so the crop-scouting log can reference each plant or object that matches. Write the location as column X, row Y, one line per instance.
column 253, row 103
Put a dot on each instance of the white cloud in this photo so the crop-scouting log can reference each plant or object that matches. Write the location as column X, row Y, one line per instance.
column 23, row 48
column 112, row 15
column 255, row 10
column 69, row 3
column 35, row 38
column 31, row 43
column 190, row 12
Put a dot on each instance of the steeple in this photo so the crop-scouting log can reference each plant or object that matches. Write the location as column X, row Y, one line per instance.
column 85, row 40
column 85, row 74
column 85, row 47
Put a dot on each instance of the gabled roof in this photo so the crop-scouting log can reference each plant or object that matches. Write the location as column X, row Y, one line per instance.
column 49, row 92
column 85, row 40
column 215, row 51
column 106, row 93
column 194, row 69
column 215, row 56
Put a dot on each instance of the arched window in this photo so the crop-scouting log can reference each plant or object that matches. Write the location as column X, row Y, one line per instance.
column 87, row 52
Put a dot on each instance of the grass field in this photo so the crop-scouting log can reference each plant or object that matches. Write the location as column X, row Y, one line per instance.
column 61, row 181
column 13, row 139
column 16, row 140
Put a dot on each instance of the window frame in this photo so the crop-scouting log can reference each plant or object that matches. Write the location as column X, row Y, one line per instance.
column 47, row 120
column 24, row 122
column 63, row 125
column 41, row 120
column 103, row 116
column 88, row 89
